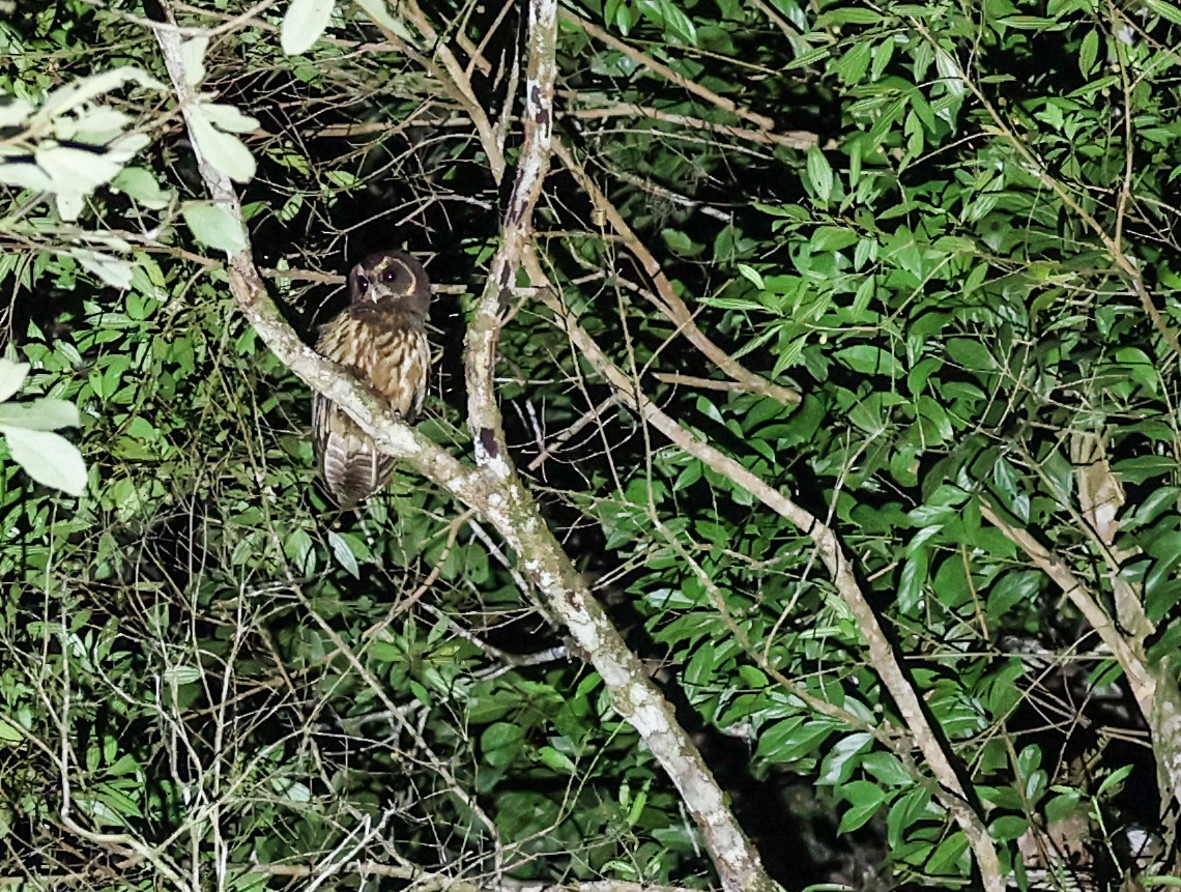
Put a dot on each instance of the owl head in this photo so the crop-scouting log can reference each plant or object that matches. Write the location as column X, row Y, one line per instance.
column 391, row 276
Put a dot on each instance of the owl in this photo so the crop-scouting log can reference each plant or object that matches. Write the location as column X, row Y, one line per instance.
column 381, row 338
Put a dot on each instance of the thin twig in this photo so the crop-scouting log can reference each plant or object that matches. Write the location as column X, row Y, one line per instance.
column 669, row 303
column 761, row 121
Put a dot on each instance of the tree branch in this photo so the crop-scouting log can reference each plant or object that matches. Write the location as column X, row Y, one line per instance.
column 1153, row 687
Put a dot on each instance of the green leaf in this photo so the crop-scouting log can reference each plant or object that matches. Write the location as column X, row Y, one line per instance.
column 1114, row 779
column 344, row 555
column 10, row 731
column 841, row 758
column 182, row 675
column 501, row 743
column 867, row 359
column 12, row 377
column 1088, row 53
column 556, row 761
column 1165, row 10
column 303, row 24
column 866, row 798
column 48, row 458
column 751, row 275
column 141, row 185
column 214, row 225
column 887, row 768
column 792, row 738
column 819, row 174
column 680, row 243
column 1008, row 827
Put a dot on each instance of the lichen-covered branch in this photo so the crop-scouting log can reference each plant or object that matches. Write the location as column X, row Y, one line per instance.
column 515, row 239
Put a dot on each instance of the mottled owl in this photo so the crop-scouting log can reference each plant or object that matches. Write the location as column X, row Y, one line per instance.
column 381, row 338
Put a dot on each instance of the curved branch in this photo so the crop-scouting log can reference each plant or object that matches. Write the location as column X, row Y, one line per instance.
column 1153, row 687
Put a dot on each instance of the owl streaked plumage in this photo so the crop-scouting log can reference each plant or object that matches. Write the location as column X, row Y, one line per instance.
column 381, row 338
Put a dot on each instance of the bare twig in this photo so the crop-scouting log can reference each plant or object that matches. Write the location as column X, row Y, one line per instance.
column 761, row 121
column 793, row 139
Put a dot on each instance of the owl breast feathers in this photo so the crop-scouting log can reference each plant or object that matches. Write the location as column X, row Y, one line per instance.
column 381, row 338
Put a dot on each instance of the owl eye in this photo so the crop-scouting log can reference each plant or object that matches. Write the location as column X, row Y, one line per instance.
column 389, row 275
column 363, row 282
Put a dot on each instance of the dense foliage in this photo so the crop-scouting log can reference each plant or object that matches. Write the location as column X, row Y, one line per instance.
column 950, row 229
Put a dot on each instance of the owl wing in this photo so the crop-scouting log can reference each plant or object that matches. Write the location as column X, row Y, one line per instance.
column 394, row 362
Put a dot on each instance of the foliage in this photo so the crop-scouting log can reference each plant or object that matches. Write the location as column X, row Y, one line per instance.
column 950, row 227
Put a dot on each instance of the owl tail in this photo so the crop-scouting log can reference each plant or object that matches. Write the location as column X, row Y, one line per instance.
column 355, row 475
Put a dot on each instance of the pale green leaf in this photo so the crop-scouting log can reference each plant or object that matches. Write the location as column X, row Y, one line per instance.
column 14, row 112
column 192, row 53
column 214, row 225
column 303, row 24
column 181, row 675
column 819, row 173
column 224, row 151
column 46, row 414
column 227, row 117
column 80, row 92
column 25, row 174
column 112, row 270
column 1088, row 52
column 96, row 126
column 48, row 458
column 12, row 376
column 751, row 275
column 378, row 10
column 344, row 555
column 76, row 170
column 10, row 731
column 141, row 185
